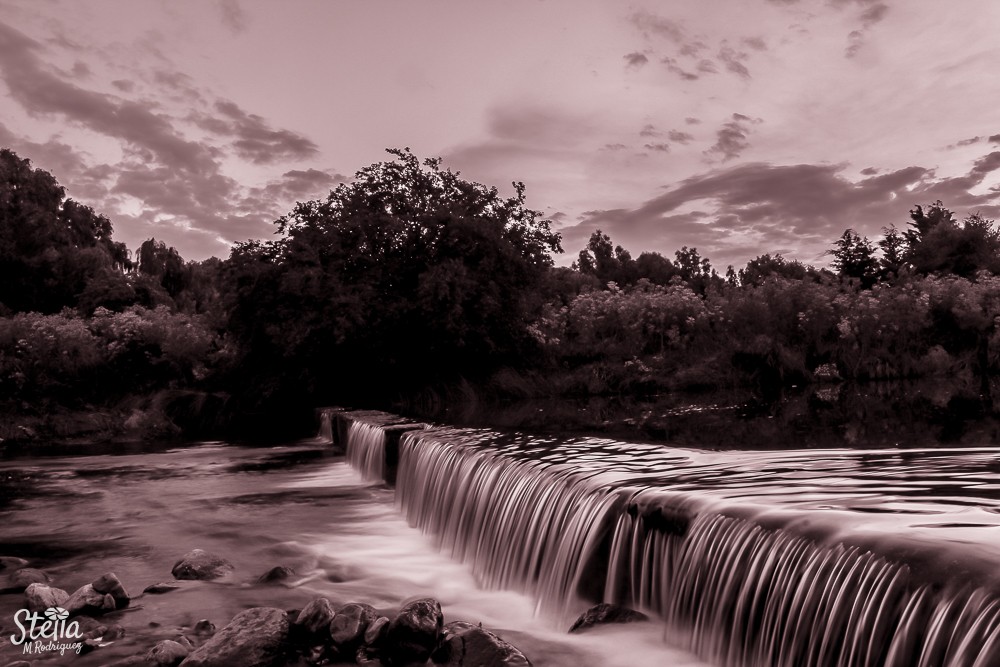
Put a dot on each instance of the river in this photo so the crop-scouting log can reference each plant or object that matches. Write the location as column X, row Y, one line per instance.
column 297, row 505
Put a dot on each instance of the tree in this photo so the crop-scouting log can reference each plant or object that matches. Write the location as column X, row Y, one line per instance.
column 893, row 247
column 51, row 248
column 605, row 262
column 408, row 271
column 766, row 266
column 854, row 257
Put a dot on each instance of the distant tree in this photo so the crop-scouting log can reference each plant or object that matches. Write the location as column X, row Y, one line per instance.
column 165, row 265
column 893, row 246
column 606, row 262
column 938, row 244
column 695, row 270
column 766, row 266
column 854, row 257
column 655, row 268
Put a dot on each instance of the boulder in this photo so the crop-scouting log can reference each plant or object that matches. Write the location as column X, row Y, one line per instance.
column 20, row 579
column 161, row 588
column 347, row 629
column 109, row 584
column 199, row 564
column 39, row 597
column 276, row 574
column 606, row 613
column 166, row 653
column 204, row 627
column 467, row 645
column 12, row 563
column 315, row 617
column 86, row 600
column 414, row 634
column 257, row 637
column 375, row 634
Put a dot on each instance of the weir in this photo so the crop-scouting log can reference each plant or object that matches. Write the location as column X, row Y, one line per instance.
column 749, row 559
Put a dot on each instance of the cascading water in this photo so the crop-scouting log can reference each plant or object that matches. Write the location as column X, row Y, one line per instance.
column 794, row 559
column 366, row 449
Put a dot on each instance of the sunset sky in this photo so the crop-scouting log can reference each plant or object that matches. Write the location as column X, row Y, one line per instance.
column 739, row 127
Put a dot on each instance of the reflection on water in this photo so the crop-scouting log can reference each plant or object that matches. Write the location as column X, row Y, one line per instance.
column 135, row 515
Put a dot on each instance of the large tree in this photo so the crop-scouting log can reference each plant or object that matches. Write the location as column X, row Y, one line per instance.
column 407, row 274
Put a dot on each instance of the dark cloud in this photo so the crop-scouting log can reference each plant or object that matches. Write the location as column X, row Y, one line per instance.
column 707, row 66
column 994, row 139
column 736, row 213
column 756, row 43
column 875, row 12
column 692, row 121
column 869, row 171
column 734, row 61
column 650, row 25
column 968, row 142
column 255, row 140
column 855, row 41
column 635, row 59
column 732, row 137
column 871, row 13
column 680, row 137
column 233, row 16
column 674, row 67
column 182, row 195
column 649, row 130
column 614, row 147
column 658, row 147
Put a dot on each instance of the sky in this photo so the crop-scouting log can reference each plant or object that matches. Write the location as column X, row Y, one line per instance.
column 736, row 127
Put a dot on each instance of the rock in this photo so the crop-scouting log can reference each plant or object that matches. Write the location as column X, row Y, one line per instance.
column 39, row 597
column 347, row 629
column 20, row 579
column 96, row 633
column 160, row 588
column 131, row 661
column 275, row 574
column 185, row 642
column 19, row 663
column 167, row 653
column 375, row 633
column 204, row 627
column 254, row 638
column 109, row 584
column 85, row 600
column 316, row 616
column 12, row 563
column 366, row 657
column 467, row 645
column 113, row 633
column 199, row 564
column 413, row 635
column 606, row 613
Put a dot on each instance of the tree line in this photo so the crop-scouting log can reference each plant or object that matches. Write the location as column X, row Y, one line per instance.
column 410, row 276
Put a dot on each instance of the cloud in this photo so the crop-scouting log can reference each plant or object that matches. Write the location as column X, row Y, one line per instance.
column 869, row 171
column 994, row 139
column 166, row 183
column 649, row 130
column 732, row 138
column 692, row 121
column 635, row 59
column 736, row 213
column 733, row 60
column 680, row 137
column 658, row 147
column 233, row 16
column 651, row 25
column 253, row 138
column 756, row 43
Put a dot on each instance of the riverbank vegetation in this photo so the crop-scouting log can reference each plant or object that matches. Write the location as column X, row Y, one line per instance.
column 410, row 279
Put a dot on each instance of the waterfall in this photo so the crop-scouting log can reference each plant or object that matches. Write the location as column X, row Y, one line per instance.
column 740, row 583
column 366, row 449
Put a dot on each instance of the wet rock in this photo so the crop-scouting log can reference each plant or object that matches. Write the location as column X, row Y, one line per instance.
column 113, row 633
column 276, row 574
column 199, row 564
column 109, row 584
column 467, row 645
column 366, row 657
column 20, row 579
column 377, row 629
column 161, row 588
column 315, row 617
column 96, row 633
column 254, row 638
column 85, row 600
column 606, row 613
column 413, row 635
column 19, row 663
column 347, row 629
column 185, row 642
column 11, row 563
column 131, row 661
column 204, row 627
column 39, row 597
column 167, row 653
